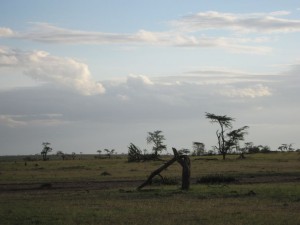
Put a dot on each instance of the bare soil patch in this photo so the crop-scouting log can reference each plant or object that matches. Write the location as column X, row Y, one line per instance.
column 104, row 185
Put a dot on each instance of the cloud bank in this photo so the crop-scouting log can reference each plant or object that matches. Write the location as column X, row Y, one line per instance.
column 136, row 104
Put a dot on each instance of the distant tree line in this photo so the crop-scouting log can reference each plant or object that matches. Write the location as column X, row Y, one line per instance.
column 228, row 141
column 108, row 154
column 66, row 156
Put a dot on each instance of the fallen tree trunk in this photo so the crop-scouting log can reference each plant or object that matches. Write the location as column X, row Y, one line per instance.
column 183, row 160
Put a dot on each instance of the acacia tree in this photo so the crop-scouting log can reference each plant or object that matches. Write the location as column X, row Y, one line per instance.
column 157, row 139
column 198, row 148
column 46, row 149
column 73, row 155
column 109, row 152
column 235, row 136
column 225, row 122
column 229, row 140
column 286, row 147
column 248, row 146
column 61, row 154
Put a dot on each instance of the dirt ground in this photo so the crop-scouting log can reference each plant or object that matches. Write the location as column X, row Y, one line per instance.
column 119, row 184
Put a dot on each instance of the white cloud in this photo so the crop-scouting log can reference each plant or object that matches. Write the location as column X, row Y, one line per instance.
column 6, row 32
column 10, row 121
column 219, row 76
column 42, row 66
column 279, row 13
column 185, row 32
column 146, row 103
column 137, row 81
column 15, row 121
column 43, row 32
column 254, row 22
column 258, row 90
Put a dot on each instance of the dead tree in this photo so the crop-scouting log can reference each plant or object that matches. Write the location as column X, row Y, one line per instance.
column 183, row 160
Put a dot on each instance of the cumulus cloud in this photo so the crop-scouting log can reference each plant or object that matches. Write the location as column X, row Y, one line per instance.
column 189, row 88
column 42, row 66
column 138, row 80
column 254, row 22
column 138, row 103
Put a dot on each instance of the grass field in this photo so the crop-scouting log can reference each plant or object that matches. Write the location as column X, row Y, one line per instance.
column 266, row 191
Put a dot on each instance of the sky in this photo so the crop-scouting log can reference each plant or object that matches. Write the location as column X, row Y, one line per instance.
column 90, row 75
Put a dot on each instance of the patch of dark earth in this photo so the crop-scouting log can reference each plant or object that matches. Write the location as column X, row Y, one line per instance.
column 119, row 184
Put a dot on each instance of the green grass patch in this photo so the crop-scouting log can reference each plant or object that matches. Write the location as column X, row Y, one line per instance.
column 231, row 204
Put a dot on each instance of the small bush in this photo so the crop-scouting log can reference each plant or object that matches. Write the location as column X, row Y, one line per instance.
column 105, row 173
column 134, row 153
column 165, row 181
column 216, row 179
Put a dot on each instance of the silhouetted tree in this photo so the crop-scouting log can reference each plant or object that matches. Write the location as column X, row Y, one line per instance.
column 265, row 149
column 157, row 139
column 109, row 152
column 73, row 155
column 225, row 122
column 198, row 148
column 235, row 136
column 99, row 151
column 184, row 151
column 253, row 148
column 46, row 149
column 231, row 140
column 247, row 146
column 61, row 154
column 286, row 147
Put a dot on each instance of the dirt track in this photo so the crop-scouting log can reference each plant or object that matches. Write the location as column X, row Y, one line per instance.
column 102, row 185
column 90, row 185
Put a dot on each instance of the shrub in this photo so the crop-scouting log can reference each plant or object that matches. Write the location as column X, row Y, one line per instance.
column 134, row 153
column 216, row 179
column 105, row 173
column 160, row 180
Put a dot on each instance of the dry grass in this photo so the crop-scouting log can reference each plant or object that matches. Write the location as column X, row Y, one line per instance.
column 261, row 203
column 120, row 169
column 232, row 204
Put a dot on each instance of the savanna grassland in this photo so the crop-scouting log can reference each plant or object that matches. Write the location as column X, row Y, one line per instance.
column 265, row 189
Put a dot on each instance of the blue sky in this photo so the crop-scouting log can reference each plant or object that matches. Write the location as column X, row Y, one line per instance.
column 101, row 74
